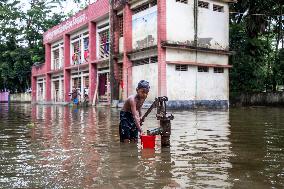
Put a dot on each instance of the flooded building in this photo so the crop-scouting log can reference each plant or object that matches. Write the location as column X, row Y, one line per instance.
column 180, row 46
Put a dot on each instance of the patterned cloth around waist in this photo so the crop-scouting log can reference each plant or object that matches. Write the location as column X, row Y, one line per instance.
column 128, row 117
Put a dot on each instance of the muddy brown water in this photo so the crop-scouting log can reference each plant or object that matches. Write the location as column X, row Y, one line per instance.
column 65, row 147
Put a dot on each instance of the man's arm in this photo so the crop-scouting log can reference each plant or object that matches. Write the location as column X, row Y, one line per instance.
column 135, row 115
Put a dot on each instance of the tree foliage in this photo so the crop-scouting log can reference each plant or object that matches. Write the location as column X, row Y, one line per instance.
column 256, row 32
column 21, row 40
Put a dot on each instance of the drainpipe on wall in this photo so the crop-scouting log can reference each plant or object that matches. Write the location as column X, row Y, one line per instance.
column 195, row 16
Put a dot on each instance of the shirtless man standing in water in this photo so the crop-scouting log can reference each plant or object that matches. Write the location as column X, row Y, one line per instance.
column 130, row 114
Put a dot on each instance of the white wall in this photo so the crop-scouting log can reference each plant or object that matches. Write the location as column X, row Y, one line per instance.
column 213, row 32
column 213, row 27
column 190, row 56
column 212, row 86
column 181, row 84
column 180, row 22
column 193, row 85
column 148, row 72
column 144, row 24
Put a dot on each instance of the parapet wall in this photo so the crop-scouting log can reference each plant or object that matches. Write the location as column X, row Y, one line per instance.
column 21, row 97
column 258, row 99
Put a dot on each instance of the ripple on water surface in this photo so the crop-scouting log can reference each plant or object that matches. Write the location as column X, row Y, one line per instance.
column 64, row 147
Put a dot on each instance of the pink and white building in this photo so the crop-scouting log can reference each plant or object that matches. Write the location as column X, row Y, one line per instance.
column 180, row 46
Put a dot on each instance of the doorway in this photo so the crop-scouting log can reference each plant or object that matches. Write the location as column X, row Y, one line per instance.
column 103, row 87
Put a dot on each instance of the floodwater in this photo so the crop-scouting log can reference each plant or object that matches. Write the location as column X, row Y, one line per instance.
column 64, row 147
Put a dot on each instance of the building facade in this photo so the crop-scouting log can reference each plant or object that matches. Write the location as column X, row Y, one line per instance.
column 180, row 46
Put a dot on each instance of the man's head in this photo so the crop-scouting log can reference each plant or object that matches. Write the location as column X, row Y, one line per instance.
column 143, row 89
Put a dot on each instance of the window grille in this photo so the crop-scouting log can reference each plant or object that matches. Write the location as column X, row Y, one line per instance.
column 86, row 81
column 218, row 8
column 203, row 69
column 141, row 62
column 145, row 61
column 182, row 1
column 104, row 44
column 120, row 25
column 56, row 59
column 103, row 26
column 77, row 83
column 144, row 7
column 76, row 37
column 76, row 57
column 181, row 67
column 86, row 49
column 218, row 70
column 203, row 4
column 86, row 43
column 103, row 69
column 55, row 46
column 141, row 8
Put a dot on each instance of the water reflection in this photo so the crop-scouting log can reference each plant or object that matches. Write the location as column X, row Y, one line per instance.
column 73, row 147
column 257, row 142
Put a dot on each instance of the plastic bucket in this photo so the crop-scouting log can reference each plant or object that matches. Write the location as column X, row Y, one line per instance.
column 148, row 141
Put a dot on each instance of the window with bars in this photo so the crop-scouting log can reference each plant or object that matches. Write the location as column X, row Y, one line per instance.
column 120, row 25
column 62, row 56
column 218, row 8
column 181, row 67
column 203, row 4
column 141, row 8
column 149, row 60
column 182, row 1
column 86, row 81
column 218, row 70
column 76, row 56
column 104, row 44
column 56, row 59
column 79, row 48
column 203, row 69
column 77, row 83
column 144, row 7
column 57, row 56
column 86, row 48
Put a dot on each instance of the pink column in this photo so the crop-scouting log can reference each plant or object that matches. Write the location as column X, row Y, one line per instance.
column 127, row 33
column 116, row 47
column 67, row 73
column 48, row 68
column 47, row 57
column 34, row 89
column 93, row 57
column 48, row 87
column 162, row 36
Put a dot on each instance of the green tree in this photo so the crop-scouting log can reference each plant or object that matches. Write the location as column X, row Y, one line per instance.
column 254, row 28
column 21, row 40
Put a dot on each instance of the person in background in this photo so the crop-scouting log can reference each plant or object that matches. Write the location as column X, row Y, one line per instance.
column 75, row 95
